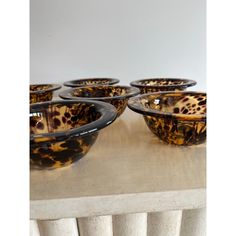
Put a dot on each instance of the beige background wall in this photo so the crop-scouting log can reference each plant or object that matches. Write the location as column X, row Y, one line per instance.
column 127, row 39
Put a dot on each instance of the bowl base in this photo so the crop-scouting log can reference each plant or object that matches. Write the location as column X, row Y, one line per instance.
column 62, row 153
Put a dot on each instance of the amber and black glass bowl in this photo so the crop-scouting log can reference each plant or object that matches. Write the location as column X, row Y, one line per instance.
column 62, row 132
column 162, row 84
column 42, row 92
column 91, row 81
column 116, row 95
column 175, row 117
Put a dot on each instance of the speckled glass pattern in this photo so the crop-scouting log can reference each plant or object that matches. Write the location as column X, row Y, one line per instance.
column 116, row 95
column 162, row 84
column 62, row 132
column 175, row 117
column 91, row 81
column 42, row 92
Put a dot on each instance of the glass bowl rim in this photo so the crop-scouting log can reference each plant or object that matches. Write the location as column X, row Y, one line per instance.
column 139, row 108
column 66, row 94
column 188, row 82
column 53, row 88
column 72, row 83
column 107, row 111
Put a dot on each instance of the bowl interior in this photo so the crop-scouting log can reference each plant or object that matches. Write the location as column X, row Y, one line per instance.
column 39, row 87
column 176, row 103
column 162, row 82
column 101, row 91
column 58, row 117
column 92, row 81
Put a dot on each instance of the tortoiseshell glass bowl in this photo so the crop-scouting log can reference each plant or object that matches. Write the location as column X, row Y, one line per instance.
column 162, row 84
column 91, row 81
column 62, row 132
column 116, row 95
column 175, row 117
column 42, row 92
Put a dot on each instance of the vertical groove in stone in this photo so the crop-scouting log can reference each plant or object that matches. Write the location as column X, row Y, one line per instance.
column 95, row 226
column 193, row 222
column 61, row 227
column 165, row 223
column 130, row 225
column 34, row 230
